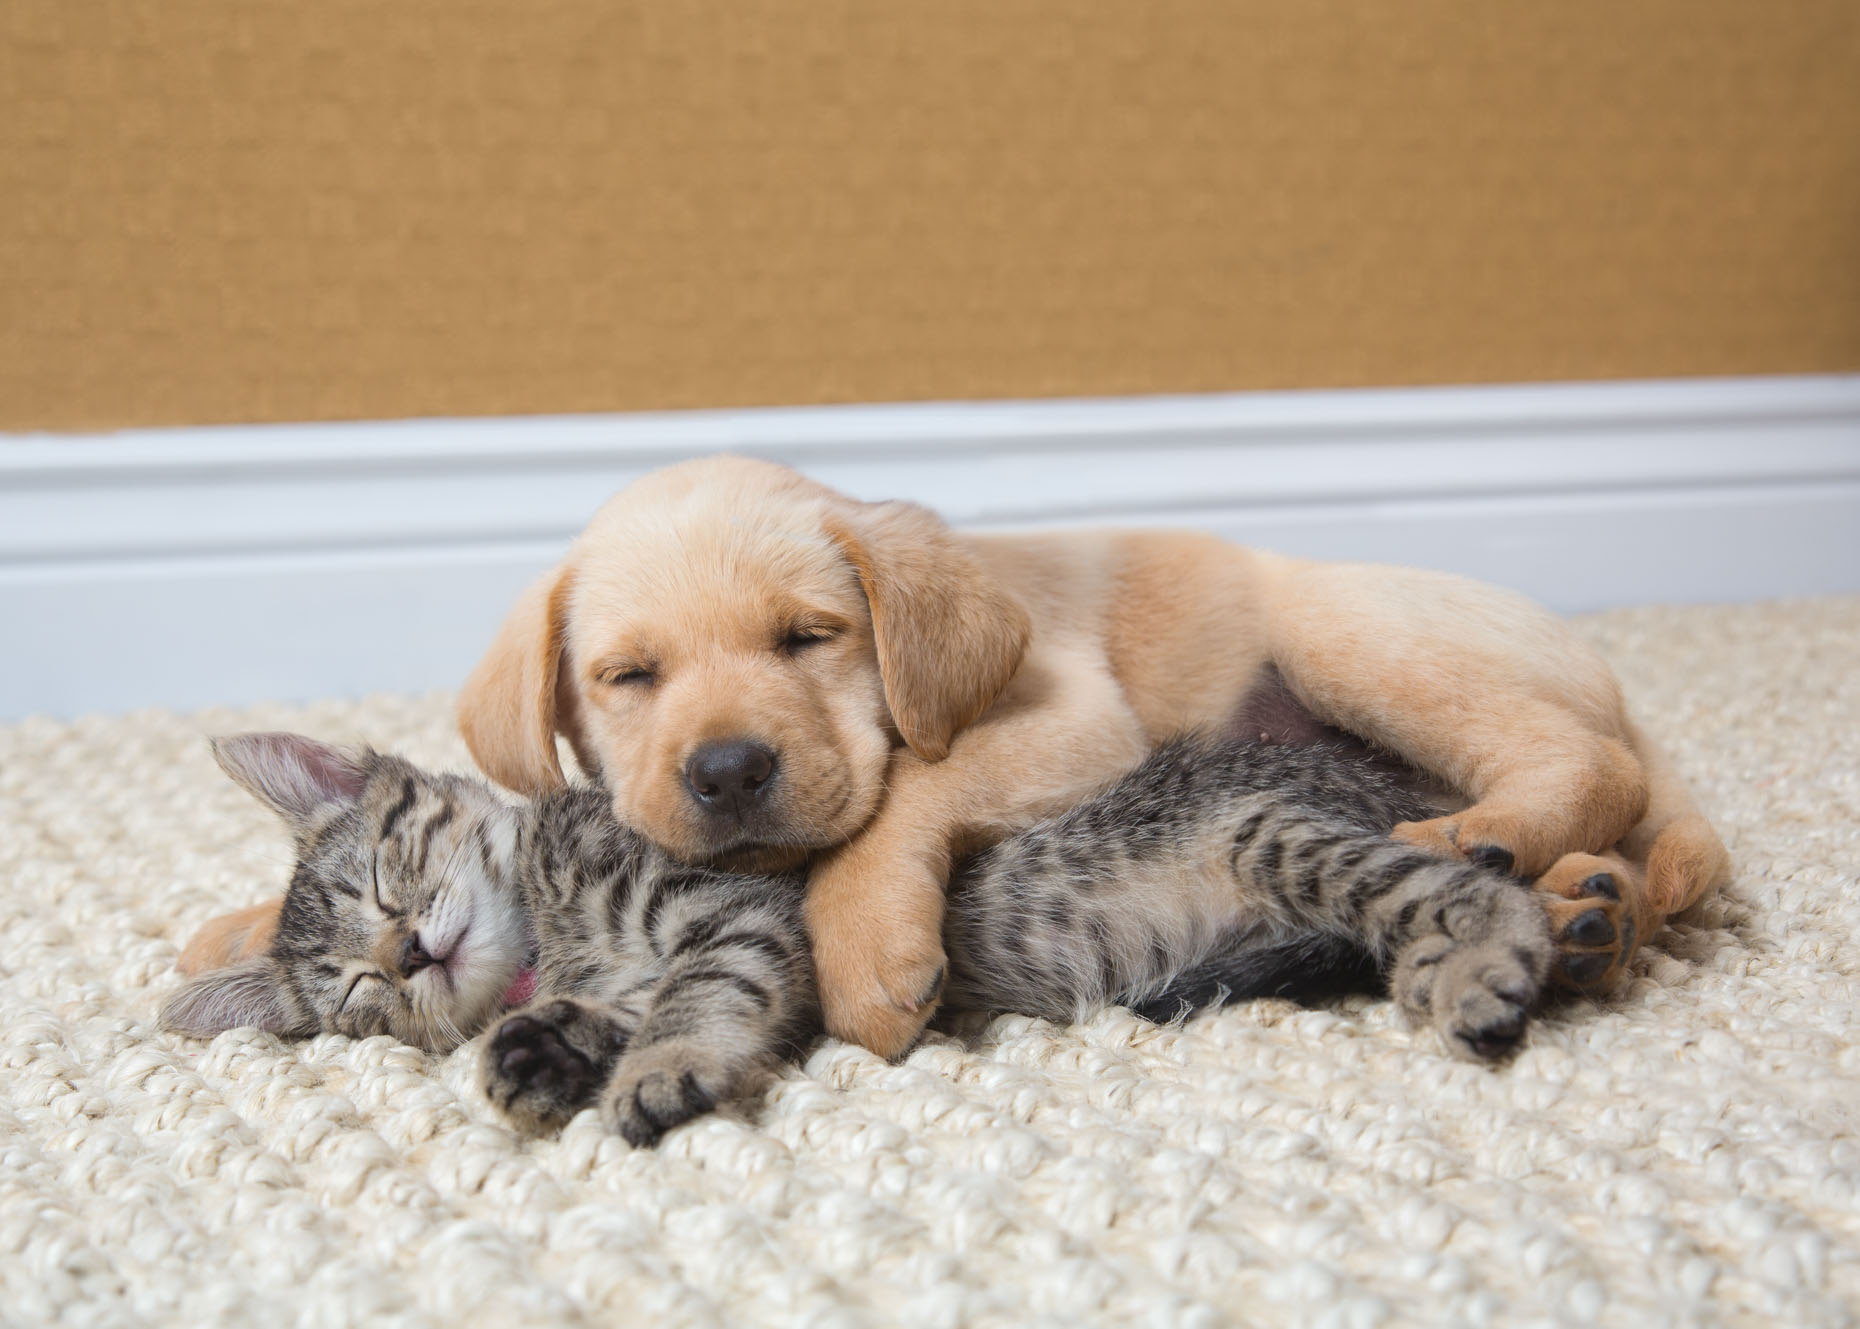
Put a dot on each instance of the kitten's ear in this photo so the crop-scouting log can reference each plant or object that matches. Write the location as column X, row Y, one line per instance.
column 293, row 775
column 245, row 996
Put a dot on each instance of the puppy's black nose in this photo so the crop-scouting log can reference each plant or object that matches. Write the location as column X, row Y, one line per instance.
column 729, row 776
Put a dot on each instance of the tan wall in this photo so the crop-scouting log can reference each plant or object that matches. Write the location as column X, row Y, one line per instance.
column 257, row 210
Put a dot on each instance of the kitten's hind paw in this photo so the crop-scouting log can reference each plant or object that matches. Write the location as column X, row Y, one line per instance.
column 665, row 1085
column 544, row 1064
column 1477, row 983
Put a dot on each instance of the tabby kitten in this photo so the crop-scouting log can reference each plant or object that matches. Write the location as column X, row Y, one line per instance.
column 425, row 907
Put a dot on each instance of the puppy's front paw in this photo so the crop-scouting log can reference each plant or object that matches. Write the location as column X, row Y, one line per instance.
column 665, row 1085
column 885, row 1005
column 544, row 1064
column 876, row 922
column 1484, row 835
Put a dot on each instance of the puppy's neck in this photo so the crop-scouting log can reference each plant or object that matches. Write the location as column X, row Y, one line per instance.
column 761, row 858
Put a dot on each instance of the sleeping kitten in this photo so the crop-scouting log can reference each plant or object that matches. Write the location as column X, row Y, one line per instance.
column 424, row 907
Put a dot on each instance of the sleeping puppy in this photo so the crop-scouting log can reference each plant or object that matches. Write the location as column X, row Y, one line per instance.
column 768, row 673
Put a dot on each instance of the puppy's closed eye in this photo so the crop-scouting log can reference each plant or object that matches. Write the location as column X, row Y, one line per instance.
column 803, row 636
column 628, row 675
column 808, row 632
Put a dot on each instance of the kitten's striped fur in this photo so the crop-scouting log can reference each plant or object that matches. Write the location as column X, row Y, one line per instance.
column 421, row 905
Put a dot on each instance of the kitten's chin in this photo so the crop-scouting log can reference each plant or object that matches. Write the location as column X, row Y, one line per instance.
column 482, row 975
column 493, row 952
column 484, row 991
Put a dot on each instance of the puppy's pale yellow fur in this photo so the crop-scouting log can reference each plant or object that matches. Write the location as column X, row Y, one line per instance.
column 976, row 682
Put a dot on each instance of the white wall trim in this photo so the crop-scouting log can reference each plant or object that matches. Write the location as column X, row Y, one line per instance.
column 185, row 567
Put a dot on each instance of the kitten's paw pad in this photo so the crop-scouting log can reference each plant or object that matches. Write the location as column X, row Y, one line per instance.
column 657, row 1103
column 1498, row 1039
column 659, row 1087
column 1483, row 1010
column 531, row 1056
column 1478, row 993
column 543, row 1065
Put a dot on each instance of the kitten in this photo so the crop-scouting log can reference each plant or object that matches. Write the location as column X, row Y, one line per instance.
column 425, row 907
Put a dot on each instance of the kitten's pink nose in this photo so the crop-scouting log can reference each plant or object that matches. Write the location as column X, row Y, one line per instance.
column 413, row 957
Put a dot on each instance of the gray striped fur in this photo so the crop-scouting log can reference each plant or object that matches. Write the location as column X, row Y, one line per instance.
column 1214, row 870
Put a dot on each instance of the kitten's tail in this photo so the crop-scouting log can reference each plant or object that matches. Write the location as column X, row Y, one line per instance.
column 1306, row 969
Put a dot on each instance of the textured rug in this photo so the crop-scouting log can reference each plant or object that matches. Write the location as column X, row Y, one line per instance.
column 1684, row 1153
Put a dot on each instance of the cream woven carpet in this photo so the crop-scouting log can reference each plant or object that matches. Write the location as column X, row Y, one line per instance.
column 1685, row 1153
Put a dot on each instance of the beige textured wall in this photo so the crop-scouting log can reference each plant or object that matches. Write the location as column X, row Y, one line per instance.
column 218, row 210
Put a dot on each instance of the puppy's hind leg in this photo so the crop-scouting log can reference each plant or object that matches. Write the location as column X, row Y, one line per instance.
column 1662, row 866
column 1474, row 685
column 1544, row 788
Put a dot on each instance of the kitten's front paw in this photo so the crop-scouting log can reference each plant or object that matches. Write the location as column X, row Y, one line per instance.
column 1477, row 982
column 544, row 1064
column 658, row 1087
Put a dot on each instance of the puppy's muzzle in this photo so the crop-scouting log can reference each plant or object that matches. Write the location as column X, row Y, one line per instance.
column 730, row 778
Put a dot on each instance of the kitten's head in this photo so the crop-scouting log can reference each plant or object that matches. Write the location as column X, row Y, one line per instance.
column 401, row 916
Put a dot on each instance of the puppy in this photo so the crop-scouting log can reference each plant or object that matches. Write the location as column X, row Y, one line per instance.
column 767, row 673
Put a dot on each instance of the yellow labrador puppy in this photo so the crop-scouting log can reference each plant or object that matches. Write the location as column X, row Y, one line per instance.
column 767, row 673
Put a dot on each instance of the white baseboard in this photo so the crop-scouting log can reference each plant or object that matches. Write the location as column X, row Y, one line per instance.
column 231, row 564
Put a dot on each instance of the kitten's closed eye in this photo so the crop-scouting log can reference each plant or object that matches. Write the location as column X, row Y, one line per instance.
column 354, row 984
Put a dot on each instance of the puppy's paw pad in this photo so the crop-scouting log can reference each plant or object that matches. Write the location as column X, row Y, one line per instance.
column 879, row 1025
column 1584, row 972
column 1586, row 877
column 1591, row 928
column 915, row 987
column 1595, row 938
column 1601, row 884
column 1597, row 907
column 1464, row 836
column 887, row 1008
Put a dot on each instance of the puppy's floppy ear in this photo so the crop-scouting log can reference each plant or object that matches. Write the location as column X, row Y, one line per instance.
column 511, row 705
column 231, row 938
column 949, row 635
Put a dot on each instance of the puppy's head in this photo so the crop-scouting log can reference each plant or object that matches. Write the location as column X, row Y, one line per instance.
column 736, row 650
